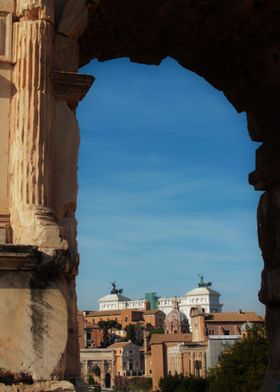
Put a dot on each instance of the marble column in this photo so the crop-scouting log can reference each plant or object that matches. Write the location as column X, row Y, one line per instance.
column 31, row 152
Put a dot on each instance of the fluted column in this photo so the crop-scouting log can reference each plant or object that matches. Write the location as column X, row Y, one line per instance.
column 31, row 160
column 33, row 123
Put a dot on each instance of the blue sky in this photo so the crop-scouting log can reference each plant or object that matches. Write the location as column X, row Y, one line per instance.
column 163, row 196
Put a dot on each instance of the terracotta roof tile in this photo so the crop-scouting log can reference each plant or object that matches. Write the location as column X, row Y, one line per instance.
column 99, row 313
column 233, row 317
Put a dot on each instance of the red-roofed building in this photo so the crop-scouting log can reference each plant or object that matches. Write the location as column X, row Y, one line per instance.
column 191, row 354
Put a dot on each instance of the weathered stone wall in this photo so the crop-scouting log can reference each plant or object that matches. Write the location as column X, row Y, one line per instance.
column 39, row 141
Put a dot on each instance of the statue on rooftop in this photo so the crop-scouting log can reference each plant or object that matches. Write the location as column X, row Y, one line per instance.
column 202, row 283
column 114, row 288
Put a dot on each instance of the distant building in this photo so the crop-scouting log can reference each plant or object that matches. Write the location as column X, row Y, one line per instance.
column 99, row 364
column 176, row 321
column 91, row 335
column 192, row 354
column 226, row 323
column 203, row 296
column 125, row 317
column 207, row 298
column 152, row 298
column 105, row 364
column 128, row 359
column 119, row 302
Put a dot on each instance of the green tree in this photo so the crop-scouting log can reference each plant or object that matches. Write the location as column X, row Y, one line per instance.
column 121, row 384
column 108, row 336
column 179, row 383
column 140, row 384
column 242, row 366
column 109, row 324
column 158, row 330
column 96, row 371
column 135, row 334
column 135, row 384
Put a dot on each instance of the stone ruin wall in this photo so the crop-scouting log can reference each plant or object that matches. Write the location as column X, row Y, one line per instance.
column 39, row 140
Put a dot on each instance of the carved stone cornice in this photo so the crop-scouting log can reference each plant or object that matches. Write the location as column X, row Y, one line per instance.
column 30, row 258
column 71, row 86
column 18, row 258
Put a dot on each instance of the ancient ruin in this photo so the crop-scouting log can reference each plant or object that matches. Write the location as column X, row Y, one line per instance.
column 233, row 44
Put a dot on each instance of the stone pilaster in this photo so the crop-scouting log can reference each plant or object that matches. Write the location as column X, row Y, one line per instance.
column 266, row 178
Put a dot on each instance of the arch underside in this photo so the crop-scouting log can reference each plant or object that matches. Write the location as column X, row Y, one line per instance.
column 233, row 45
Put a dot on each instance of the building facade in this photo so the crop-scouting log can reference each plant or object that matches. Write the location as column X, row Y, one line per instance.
column 99, row 364
column 203, row 296
column 192, row 354
column 128, row 359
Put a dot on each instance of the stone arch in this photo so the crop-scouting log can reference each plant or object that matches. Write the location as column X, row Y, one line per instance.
column 221, row 42
column 233, row 45
column 218, row 41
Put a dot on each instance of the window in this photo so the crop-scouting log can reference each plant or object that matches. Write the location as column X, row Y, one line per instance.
column 126, row 319
column 226, row 332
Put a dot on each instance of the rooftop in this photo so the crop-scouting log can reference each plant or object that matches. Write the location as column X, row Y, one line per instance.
column 202, row 291
column 233, row 317
column 103, row 312
column 120, row 344
column 114, row 298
